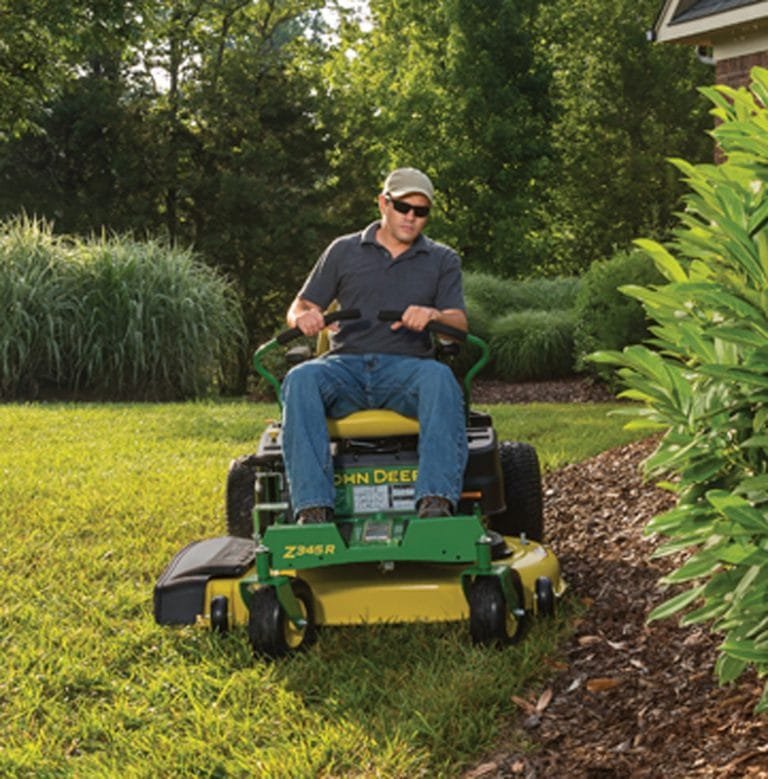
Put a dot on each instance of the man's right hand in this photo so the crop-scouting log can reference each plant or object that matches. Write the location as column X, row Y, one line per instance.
column 310, row 322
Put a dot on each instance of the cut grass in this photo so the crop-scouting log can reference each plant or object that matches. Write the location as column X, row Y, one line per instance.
column 561, row 432
column 95, row 501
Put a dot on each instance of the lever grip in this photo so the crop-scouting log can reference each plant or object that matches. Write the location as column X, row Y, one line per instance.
column 389, row 315
column 286, row 336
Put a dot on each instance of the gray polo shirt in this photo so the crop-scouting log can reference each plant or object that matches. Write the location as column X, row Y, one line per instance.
column 359, row 272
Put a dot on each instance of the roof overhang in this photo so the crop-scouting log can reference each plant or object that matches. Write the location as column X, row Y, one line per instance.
column 746, row 21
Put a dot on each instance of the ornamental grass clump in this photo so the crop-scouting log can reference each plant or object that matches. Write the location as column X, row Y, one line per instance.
column 529, row 345
column 498, row 296
column 111, row 318
column 34, row 300
column 703, row 379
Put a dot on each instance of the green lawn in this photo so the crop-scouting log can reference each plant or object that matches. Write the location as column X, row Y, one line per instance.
column 96, row 499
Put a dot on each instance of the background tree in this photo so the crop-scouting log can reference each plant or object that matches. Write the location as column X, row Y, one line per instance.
column 195, row 120
column 247, row 131
column 451, row 88
column 621, row 107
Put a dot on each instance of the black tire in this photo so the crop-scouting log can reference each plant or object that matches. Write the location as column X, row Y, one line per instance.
column 490, row 620
column 524, row 512
column 241, row 496
column 545, row 597
column 220, row 614
column 271, row 633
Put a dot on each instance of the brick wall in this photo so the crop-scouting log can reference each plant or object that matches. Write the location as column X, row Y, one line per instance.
column 734, row 72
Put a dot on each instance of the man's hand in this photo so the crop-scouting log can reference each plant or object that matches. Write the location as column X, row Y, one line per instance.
column 307, row 316
column 310, row 322
column 416, row 318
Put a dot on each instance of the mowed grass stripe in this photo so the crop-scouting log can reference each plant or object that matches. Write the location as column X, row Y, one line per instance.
column 94, row 502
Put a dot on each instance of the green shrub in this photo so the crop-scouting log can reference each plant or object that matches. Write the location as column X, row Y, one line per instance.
column 533, row 345
column 606, row 318
column 111, row 316
column 498, row 297
column 707, row 383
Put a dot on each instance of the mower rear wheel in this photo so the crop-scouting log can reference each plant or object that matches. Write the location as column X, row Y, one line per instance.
column 490, row 620
column 241, row 496
column 521, row 475
column 271, row 632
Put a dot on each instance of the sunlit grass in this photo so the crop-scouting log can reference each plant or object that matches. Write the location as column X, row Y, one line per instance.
column 94, row 502
column 561, row 432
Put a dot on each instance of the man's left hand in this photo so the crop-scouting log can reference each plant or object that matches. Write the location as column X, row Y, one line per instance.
column 416, row 318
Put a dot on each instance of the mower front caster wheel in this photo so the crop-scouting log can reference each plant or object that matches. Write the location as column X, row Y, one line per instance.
column 545, row 597
column 490, row 620
column 220, row 614
column 271, row 632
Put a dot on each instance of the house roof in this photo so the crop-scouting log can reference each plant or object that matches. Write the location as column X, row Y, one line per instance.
column 708, row 22
column 696, row 9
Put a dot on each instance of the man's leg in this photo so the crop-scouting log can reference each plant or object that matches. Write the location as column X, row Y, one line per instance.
column 427, row 389
column 311, row 391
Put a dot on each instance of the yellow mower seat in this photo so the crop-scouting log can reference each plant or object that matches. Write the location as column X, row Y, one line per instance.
column 372, row 423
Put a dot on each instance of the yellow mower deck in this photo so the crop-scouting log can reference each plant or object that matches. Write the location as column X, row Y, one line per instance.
column 367, row 593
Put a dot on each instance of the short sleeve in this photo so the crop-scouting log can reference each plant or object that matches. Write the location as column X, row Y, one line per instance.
column 450, row 290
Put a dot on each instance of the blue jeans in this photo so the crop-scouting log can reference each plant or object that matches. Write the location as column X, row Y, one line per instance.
column 335, row 385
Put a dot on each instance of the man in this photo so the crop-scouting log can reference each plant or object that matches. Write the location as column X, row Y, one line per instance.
column 390, row 265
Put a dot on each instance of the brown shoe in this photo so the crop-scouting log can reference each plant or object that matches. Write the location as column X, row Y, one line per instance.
column 314, row 515
column 435, row 506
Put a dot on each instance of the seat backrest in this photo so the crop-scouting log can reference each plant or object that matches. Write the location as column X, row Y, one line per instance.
column 372, row 423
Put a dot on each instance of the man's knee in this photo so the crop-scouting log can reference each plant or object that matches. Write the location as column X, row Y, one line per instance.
column 306, row 375
column 434, row 374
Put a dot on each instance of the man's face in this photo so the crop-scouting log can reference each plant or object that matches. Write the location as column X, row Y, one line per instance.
column 403, row 227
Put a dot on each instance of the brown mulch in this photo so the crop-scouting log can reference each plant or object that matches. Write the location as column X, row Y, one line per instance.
column 573, row 390
column 629, row 699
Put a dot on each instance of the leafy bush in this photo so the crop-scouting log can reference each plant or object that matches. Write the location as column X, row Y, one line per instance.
column 114, row 317
column 498, row 297
column 533, row 345
column 606, row 318
column 707, row 386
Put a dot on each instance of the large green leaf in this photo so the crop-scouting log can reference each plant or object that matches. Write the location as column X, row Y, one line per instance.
column 746, row 652
column 673, row 605
column 664, row 261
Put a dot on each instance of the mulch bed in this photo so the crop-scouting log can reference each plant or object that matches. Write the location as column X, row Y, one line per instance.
column 573, row 390
column 629, row 699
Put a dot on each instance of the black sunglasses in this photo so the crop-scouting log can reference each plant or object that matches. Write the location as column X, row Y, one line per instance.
column 403, row 208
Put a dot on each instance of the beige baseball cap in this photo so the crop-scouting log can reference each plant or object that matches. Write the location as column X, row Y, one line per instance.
column 408, row 181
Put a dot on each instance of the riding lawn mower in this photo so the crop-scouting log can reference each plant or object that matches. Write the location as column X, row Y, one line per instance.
column 377, row 561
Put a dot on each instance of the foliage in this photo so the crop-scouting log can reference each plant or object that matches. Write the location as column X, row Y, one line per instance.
column 533, row 345
column 36, row 38
column 491, row 302
column 706, row 384
column 605, row 318
column 621, row 106
column 195, row 122
column 451, row 88
column 110, row 316
column 254, row 134
column 96, row 500
column 498, row 296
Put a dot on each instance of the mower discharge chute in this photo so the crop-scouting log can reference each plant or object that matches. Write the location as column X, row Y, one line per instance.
column 377, row 561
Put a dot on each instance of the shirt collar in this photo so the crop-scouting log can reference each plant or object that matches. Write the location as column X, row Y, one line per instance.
column 369, row 237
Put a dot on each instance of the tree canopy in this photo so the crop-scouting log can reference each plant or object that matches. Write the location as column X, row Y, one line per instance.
column 253, row 131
